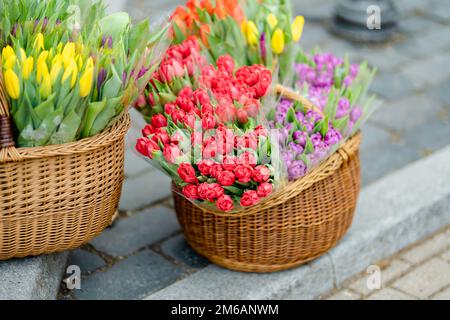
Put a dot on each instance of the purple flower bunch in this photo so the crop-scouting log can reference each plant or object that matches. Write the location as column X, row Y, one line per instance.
column 305, row 138
column 335, row 86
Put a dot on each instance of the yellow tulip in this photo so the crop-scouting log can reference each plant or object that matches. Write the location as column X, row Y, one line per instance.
column 43, row 57
column 272, row 20
column 23, row 55
column 79, row 61
column 90, row 63
column 278, row 41
column 7, row 52
column 71, row 70
column 297, row 28
column 11, row 62
column 252, row 33
column 59, row 47
column 86, row 81
column 42, row 70
column 55, row 70
column 79, row 48
column 12, row 84
column 39, row 42
column 56, row 58
column 46, row 87
column 244, row 27
column 27, row 67
column 69, row 50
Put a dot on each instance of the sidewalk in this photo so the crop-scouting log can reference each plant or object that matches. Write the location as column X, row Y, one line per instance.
column 419, row 272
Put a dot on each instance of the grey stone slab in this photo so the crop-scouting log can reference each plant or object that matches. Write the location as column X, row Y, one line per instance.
column 37, row 278
column 407, row 113
column 385, row 58
column 384, row 159
column 430, row 71
column 426, row 280
column 446, row 255
column 217, row 283
column 144, row 190
column 390, row 294
column 178, row 249
column 395, row 212
column 392, row 85
column 87, row 261
column 138, row 231
column 132, row 278
column 392, row 213
column 407, row 7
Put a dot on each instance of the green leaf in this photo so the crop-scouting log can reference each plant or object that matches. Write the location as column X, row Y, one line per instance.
column 291, row 117
column 115, row 25
column 68, row 129
column 93, row 110
column 234, row 190
column 105, row 117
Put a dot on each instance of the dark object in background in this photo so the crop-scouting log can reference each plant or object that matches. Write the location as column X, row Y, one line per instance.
column 357, row 20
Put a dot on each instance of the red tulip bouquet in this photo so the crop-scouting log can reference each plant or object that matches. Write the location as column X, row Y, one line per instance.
column 207, row 132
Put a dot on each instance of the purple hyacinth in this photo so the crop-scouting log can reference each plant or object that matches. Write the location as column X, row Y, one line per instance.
column 332, row 137
column 300, row 137
column 356, row 114
column 343, row 108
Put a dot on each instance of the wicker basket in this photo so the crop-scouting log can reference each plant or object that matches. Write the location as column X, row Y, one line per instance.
column 298, row 224
column 58, row 197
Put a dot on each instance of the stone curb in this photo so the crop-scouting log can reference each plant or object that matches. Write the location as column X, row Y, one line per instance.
column 36, row 278
column 393, row 213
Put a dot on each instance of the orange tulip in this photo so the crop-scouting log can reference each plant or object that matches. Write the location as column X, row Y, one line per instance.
column 206, row 4
column 204, row 31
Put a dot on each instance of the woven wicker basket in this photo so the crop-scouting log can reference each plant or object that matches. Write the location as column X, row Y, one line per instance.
column 58, row 197
column 298, row 224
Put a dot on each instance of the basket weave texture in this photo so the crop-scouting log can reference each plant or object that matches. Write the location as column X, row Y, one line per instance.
column 298, row 224
column 58, row 197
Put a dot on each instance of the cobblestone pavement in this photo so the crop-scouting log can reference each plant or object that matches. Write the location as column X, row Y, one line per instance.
column 420, row 272
column 144, row 251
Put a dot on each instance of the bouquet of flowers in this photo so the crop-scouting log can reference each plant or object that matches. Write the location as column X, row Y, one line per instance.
column 67, row 79
column 253, row 32
column 211, row 140
column 339, row 90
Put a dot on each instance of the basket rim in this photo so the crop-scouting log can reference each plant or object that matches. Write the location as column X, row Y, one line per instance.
column 347, row 151
column 114, row 132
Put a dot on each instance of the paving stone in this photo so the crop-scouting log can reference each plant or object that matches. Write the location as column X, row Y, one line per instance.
column 427, row 249
column 374, row 136
column 407, row 113
column 429, row 137
column 446, row 255
column 178, row 249
column 421, row 45
column 405, row 7
column 441, row 92
column 36, row 278
column 384, row 58
column 392, row 85
column 444, row 295
column 140, row 230
column 438, row 10
column 87, row 261
column 430, row 71
column 132, row 278
column 143, row 190
column 314, row 34
column 395, row 269
column 384, row 159
column 426, row 279
column 415, row 25
column 345, row 295
column 390, row 294
column 135, row 165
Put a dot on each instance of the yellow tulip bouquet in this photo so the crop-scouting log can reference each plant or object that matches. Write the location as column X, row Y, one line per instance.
column 69, row 73
column 251, row 31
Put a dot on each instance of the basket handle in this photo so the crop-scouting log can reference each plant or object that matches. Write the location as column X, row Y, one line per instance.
column 292, row 95
column 8, row 149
